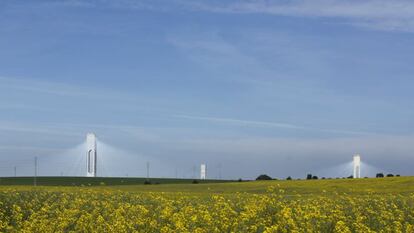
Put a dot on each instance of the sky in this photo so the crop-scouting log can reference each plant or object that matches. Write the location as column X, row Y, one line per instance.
column 283, row 88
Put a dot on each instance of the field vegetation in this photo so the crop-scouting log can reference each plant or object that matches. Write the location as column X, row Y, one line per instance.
column 95, row 181
column 344, row 205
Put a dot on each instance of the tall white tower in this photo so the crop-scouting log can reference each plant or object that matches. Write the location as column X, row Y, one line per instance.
column 357, row 166
column 203, row 172
column 91, row 155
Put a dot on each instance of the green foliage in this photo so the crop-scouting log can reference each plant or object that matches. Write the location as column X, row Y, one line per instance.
column 264, row 177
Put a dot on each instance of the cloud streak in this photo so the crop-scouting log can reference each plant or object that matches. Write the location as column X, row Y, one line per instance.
column 374, row 14
column 249, row 123
column 38, row 129
column 53, row 88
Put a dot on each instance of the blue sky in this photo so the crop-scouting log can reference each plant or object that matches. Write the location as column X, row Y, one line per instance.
column 276, row 87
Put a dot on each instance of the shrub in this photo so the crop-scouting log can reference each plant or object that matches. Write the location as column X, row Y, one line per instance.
column 264, row 177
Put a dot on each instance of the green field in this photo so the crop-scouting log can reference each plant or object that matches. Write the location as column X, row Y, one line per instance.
column 336, row 205
column 95, row 181
column 395, row 185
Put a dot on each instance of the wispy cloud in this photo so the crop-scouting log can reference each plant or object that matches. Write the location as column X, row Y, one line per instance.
column 27, row 90
column 37, row 129
column 211, row 51
column 376, row 14
column 54, row 88
column 242, row 122
column 250, row 123
column 31, row 148
column 373, row 14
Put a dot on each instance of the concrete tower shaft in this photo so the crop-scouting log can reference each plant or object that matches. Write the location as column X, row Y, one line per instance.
column 91, row 155
column 357, row 166
column 203, row 172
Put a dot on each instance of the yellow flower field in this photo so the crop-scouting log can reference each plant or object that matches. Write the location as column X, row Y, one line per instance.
column 106, row 210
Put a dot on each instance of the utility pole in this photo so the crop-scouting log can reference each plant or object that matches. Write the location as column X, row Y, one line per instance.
column 148, row 167
column 35, row 174
column 219, row 167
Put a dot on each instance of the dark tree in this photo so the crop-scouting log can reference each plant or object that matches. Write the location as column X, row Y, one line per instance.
column 195, row 181
column 289, row 178
column 397, row 175
column 390, row 175
column 314, row 177
column 350, row 177
column 240, row 180
column 309, row 177
column 264, row 177
column 379, row 175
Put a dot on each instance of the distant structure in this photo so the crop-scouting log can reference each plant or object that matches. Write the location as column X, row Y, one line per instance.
column 357, row 166
column 203, row 172
column 92, row 155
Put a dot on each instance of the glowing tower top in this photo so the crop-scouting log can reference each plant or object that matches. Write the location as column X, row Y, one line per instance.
column 92, row 155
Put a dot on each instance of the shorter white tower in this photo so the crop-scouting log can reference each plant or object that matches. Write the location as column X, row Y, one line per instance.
column 357, row 166
column 91, row 155
column 203, row 171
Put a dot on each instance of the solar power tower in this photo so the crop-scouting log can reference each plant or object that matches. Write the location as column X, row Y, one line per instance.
column 357, row 166
column 203, row 172
column 92, row 155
